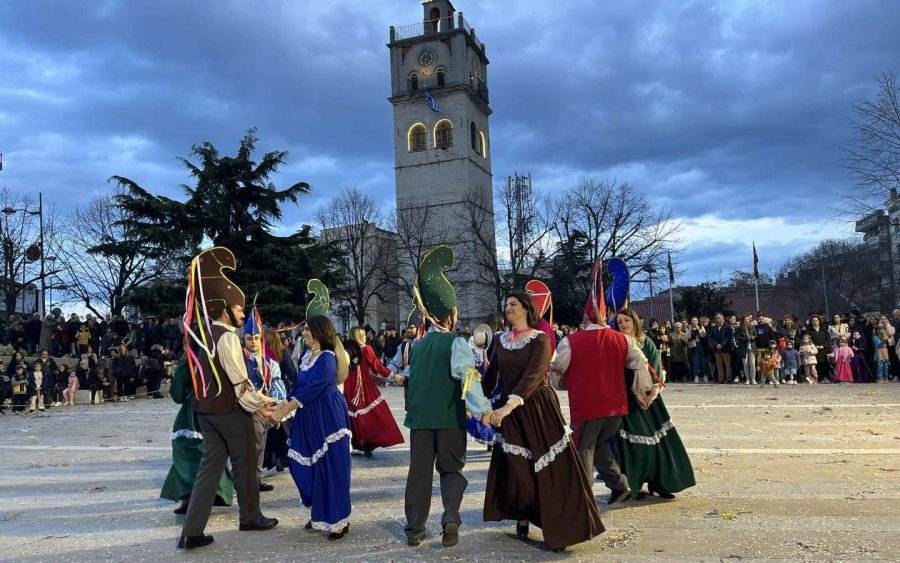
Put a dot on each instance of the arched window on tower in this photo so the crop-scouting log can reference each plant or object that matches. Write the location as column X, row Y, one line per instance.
column 434, row 19
column 443, row 134
column 417, row 138
column 473, row 133
column 412, row 82
column 439, row 73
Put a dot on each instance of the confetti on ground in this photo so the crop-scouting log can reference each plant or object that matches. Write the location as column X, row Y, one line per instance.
column 95, row 490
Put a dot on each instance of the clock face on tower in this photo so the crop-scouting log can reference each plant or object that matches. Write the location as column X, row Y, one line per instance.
column 427, row 57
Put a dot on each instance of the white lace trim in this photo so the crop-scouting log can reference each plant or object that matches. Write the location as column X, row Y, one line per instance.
column 554, row 451
column 187, row 434
column 512, row 448
column 336, row 527
column 308, row 461
column 304, row 362
column 368, row 409
column 653, row 440
column 507, row 342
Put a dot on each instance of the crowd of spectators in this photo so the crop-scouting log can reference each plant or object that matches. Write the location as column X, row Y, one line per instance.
column 52, row 358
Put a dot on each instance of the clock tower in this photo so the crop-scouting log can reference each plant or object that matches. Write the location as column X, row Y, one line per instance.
column 442, row 151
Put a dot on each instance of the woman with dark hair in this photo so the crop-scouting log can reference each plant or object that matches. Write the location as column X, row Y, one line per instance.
column 535, row 474
column 649, row 447
column 319, row 446
column 371, row 420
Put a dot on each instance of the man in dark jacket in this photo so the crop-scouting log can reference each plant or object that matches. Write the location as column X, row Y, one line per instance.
column 33, row 333
column 720, row 340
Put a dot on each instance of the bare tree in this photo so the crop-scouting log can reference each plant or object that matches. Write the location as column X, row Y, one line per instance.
column 102, row 264
column 616, row 220
column 837, row 275
column 873, row 158
column 414, row 240
column 525, row 239
column 21, row 241
column 475, row 218
column 354, row 226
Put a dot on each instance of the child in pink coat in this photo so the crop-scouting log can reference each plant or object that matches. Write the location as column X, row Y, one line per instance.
column 842, row 355
column 69, row 392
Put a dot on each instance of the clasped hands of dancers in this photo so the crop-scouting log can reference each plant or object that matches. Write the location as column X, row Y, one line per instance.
column 538, row 474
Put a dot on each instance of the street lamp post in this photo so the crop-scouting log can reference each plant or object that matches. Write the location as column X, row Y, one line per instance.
column 52, row 260
column 40, row 214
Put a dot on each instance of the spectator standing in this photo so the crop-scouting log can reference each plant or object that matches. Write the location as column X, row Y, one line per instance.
column 837, row 330
column 697, row 341
column 720, row 340
column 33, row 333
column 678, row 342
column 746, row 345
column 819, row 337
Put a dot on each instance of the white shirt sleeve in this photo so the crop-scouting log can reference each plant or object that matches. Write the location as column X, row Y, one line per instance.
column 560, row 362
column 228, row 349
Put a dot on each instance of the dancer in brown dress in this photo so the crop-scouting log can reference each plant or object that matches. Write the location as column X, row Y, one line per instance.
column 535, row 474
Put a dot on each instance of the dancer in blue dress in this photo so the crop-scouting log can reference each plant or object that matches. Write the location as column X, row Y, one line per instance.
column 320, row 437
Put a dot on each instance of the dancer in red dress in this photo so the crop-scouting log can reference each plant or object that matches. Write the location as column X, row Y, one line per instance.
column 371, row 420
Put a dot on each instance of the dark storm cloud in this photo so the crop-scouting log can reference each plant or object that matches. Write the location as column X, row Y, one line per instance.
column 723, row 111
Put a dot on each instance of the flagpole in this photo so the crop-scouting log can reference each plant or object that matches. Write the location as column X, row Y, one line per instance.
column 756, row 283
column 671, row 305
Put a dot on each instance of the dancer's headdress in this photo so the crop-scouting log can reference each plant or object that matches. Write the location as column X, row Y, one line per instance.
column 209, row 292
column 543, row 299
column 318, row 305
column 433, row 293
column 254, row 326
column 619, row 280
column 595, row 308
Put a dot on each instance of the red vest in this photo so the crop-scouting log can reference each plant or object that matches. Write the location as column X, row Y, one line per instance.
column 596, row 375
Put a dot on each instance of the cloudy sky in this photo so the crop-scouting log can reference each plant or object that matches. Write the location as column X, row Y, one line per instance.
column 732, row 113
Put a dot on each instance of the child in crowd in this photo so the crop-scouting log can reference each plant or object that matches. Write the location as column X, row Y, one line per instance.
column 881, row 354
column 767, row 369
column 70, row 391
column 857, row 364
column 808, row 352
column 776, row 357
column 791, row 362
column 36, row 387
column 4, row 386
column 842, row 354
column 19, row 382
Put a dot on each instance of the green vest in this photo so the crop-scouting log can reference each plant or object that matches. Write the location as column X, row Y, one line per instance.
column 435, row 398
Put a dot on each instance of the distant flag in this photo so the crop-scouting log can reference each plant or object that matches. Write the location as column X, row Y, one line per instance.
column 671, row 270
column 429, row 101
column 755, row 262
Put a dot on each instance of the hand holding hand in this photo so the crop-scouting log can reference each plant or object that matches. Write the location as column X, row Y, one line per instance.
column 486, row 419
column 399, row 379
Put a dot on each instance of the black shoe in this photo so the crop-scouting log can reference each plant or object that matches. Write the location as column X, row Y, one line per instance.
column 451, row 534
column 184, row 506
column 262, row 524
column 308, row 525
column 265, row 487
column 413, row 542
column 522, row 530
column 190, row 542
column 368, row 452
column 618, row 496
column 338, row 535
column 657, row 490
column 220, row 501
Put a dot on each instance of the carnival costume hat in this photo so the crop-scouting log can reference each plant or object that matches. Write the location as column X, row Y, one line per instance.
column 318, row 306
column 433, row 292
column 253, row 326
column 481, row 337
column 595, row 308
column 617, row 292
column 541, row 296
column 209, row 292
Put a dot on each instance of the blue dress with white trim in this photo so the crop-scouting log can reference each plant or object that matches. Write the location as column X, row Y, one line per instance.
column 319, row 449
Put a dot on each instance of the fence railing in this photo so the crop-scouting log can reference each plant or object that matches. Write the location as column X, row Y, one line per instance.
column 433, row 27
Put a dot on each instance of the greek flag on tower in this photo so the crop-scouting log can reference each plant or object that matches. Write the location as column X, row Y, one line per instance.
column 429, row 101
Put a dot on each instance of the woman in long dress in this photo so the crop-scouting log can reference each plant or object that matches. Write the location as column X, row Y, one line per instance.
column 371, row 420
column 187, row 447
column 650, row 450
column 535, row 474
column 320, row 435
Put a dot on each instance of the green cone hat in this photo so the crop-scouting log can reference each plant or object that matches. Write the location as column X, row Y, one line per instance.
column 318, row 305
column 434, row 292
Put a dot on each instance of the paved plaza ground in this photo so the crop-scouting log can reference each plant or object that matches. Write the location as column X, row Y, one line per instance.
column 798, row 473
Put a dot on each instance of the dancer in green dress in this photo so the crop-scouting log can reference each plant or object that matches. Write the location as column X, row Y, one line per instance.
column 187, row 448
column 649, row 448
